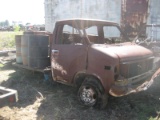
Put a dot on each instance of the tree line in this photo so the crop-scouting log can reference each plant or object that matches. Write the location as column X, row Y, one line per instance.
column 4, row 23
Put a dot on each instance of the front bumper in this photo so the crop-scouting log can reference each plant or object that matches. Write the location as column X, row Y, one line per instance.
column 134, row 84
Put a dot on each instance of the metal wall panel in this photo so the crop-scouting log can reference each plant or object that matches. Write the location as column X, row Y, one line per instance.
column 154, row 18
column 95, row 9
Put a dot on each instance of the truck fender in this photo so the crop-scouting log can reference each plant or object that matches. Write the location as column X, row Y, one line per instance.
column 80, row 77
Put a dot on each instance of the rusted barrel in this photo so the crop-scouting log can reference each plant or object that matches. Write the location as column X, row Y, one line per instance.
column 28, row 33
column 24, row 49
column 38, row 51
column 18, row 49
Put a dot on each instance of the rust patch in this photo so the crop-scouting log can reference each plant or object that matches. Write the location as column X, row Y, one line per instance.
column 134, row 15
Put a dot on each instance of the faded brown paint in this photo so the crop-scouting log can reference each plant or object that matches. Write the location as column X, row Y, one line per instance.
column 96, row 65
column 69, row 59
column 104, row 61
column 134, row 15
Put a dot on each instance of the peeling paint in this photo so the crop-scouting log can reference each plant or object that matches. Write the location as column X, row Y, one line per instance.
column 134, row 15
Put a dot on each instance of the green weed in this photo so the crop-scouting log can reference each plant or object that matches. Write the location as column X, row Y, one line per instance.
column 1, row 65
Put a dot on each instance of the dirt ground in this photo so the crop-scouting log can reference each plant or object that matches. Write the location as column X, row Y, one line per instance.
column 39, row 100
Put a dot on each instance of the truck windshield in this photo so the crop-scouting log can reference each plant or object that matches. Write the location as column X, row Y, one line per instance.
column 103, row 34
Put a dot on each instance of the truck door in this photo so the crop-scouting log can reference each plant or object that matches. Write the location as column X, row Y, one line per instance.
column 69, row 54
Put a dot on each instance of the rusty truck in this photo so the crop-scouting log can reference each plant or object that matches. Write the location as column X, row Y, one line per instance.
column 98, row 58
column 95, row 56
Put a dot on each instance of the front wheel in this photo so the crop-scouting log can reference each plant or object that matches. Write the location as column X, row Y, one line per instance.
column 90, row 96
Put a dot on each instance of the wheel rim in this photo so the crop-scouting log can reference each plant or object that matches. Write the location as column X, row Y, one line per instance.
column 88, row 95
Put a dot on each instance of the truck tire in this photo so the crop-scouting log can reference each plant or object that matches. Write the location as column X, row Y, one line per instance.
column 90, row 95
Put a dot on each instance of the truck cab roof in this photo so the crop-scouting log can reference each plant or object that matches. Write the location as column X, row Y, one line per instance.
column 83, row 23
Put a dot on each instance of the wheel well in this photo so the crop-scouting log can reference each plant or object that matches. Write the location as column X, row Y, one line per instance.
column 82, row 77
column 79, row 78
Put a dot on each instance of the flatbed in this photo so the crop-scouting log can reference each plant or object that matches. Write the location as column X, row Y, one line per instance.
column 27, row 67
column 46, row 71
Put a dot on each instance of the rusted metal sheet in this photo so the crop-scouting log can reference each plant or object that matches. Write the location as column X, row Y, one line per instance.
column 134, row 15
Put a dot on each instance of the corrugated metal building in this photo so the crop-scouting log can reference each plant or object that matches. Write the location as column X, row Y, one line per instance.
column 131, row 14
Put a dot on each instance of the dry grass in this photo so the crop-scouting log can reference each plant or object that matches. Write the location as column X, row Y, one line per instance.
column 7, row 40
column 43, row 101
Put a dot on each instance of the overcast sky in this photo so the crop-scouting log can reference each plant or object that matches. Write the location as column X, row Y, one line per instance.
column 22, row 10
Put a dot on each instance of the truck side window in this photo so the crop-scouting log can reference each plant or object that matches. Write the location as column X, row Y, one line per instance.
column 70, row 35
column 92, row 33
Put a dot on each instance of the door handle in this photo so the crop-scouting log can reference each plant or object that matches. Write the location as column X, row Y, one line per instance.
column 55, row 52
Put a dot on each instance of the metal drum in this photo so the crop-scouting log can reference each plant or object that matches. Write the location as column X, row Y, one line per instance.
column 28, row 33
column 18, row 49
column 24, row 49
column 38, row 51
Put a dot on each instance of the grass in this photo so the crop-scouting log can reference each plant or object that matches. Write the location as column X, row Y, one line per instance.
column 7, row 40
column 1, row 65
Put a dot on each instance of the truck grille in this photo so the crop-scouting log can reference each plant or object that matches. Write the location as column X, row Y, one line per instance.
column 130, row 69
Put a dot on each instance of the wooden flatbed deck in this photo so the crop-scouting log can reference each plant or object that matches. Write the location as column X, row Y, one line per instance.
column 27, row 67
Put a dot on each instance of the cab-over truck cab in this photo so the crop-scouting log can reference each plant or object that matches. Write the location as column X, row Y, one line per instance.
column 97, row 58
